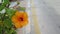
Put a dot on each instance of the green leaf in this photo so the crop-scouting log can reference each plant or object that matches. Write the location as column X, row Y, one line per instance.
column 6, row 2
column 10, row 12
column 0, row 16
column 1, row 30
column 10, row 31
column 7, row 31
column 1, row 23
column 22, row 8
column 3, row 5
column 7, row 23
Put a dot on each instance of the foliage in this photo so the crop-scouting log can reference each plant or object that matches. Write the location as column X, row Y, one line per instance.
column 6, row 25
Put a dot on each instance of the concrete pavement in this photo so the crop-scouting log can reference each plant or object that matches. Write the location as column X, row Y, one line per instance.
column 48, row 16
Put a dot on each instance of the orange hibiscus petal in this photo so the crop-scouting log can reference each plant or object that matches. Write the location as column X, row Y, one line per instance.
column 20, row 19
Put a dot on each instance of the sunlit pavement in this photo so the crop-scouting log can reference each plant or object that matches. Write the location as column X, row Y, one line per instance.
column 48, row 15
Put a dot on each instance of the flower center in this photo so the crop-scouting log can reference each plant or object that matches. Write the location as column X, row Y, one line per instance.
column 21, row 19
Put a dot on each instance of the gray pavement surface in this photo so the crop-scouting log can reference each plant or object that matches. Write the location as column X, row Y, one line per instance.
column 48, row 14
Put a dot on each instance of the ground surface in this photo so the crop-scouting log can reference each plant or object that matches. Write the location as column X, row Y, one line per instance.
column 48, row 15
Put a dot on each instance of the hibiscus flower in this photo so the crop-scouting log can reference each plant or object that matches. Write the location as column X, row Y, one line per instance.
column 20, row 19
